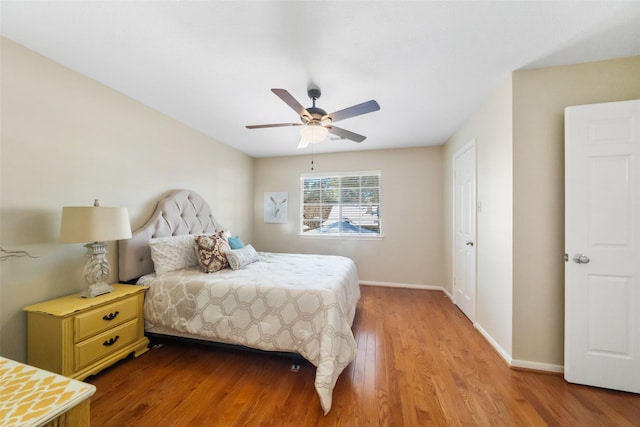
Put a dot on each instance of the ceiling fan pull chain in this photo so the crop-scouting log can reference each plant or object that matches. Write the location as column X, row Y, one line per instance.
column 311, row 156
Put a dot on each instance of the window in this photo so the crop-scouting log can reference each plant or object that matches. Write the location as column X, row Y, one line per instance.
column 343, row 204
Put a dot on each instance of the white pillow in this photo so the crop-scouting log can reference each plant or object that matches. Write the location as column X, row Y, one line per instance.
column 173, row 253
column 240, row 258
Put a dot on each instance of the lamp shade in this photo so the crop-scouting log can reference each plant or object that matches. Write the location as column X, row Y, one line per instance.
column 83, row 224
column 313, row 133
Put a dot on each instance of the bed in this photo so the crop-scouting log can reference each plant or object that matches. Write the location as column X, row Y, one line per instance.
column 286, row 303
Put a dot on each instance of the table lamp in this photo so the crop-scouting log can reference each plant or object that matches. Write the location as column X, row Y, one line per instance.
column 95, row 225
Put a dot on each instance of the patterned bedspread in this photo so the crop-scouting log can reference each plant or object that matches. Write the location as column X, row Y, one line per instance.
column 286, row 302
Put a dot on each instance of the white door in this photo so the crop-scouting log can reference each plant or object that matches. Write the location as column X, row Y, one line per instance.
column 602, row 241
column 464, row 260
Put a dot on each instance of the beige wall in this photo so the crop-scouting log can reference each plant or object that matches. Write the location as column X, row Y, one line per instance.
column 539, row 99
column 491, row 128
column 410, row 252
column 67, row 139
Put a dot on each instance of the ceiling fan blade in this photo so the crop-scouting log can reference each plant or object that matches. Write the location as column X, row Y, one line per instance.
column 343, row 133
column 273, row 125
column 291, row 102
column 355, row 110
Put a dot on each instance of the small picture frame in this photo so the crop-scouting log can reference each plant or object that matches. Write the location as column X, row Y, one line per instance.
column 275, row 207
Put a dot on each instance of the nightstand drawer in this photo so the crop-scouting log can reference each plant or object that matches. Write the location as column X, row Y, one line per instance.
column 103, row 318
column 100, row 346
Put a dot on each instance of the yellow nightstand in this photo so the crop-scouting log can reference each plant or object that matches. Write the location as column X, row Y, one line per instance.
column 77, row 337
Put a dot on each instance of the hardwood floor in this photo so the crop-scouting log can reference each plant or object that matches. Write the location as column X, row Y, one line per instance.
column 420, row 362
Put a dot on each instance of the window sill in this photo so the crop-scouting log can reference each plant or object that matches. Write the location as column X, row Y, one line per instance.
column 345, row 236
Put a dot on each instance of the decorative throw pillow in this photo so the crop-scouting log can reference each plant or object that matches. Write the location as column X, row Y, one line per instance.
column 235, row 242
column 240, row 258
column 211, row 250
column 173, row 253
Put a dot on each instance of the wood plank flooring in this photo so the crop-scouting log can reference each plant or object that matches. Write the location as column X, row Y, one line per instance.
column 420, row 362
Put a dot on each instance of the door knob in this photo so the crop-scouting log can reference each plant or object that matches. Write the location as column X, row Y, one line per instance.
column 469, row 243
column 581, row 259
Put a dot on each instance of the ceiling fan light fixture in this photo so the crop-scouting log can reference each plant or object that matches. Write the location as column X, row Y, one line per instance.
column 312, row 133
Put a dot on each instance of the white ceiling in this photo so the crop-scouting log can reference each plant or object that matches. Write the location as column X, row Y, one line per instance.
column 211, row 65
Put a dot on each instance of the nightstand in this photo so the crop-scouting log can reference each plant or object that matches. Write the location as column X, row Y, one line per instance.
column 78, row 337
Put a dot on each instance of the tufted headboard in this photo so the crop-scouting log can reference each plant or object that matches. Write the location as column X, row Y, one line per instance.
column 181, row 212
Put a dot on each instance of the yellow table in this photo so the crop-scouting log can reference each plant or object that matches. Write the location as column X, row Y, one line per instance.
column 33, row 397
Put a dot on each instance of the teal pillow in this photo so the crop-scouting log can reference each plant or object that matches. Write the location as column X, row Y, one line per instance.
column 235, row 242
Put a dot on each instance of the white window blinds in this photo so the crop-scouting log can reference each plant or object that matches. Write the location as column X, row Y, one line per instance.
column 341, row 204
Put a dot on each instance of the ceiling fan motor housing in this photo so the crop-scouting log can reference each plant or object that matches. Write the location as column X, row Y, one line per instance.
column 315, row 112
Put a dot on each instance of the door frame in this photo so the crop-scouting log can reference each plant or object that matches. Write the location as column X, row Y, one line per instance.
column 456, row 154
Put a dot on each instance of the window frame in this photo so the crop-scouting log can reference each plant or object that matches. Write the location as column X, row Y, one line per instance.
column 340, row 235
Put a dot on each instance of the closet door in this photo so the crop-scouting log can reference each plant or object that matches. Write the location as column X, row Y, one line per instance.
column 464, row 259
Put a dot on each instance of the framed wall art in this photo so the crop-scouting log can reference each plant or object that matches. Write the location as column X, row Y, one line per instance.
column 275, row 207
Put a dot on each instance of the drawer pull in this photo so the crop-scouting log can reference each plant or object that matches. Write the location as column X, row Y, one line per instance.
column 111, row 316
column 111, row 341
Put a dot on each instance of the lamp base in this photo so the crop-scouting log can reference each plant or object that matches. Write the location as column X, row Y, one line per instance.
column 96, row 289
column 97, row 271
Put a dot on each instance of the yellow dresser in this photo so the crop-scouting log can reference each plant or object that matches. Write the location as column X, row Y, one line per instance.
column 78, row 337
column 33, row 397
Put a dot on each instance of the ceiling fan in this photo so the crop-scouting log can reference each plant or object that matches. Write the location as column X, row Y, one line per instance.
column 317, row 123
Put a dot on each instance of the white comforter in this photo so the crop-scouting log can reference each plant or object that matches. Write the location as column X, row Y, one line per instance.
column 286, row 302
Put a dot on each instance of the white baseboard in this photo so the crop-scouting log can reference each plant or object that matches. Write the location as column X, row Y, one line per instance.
column 515, row 363
column 404, row 285
column 537, row 366
column 494, row 344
